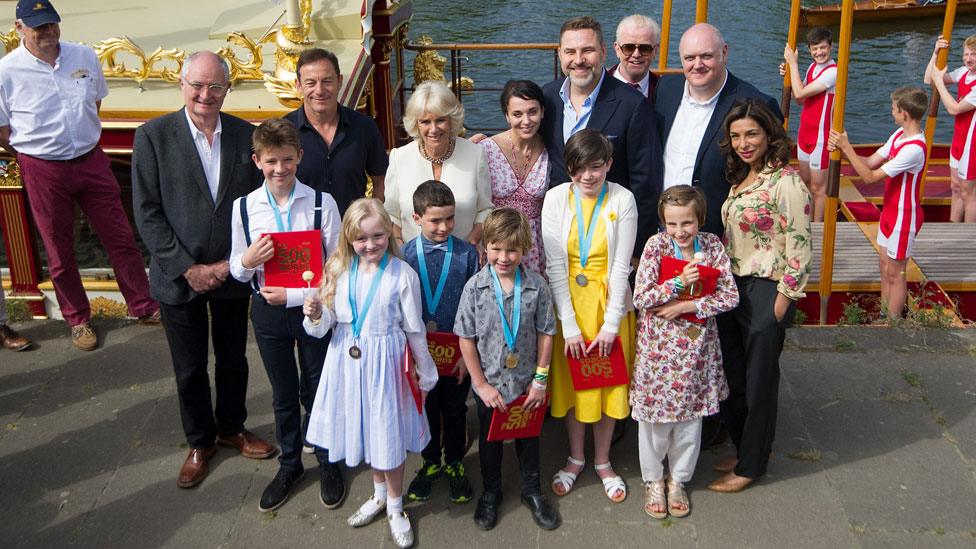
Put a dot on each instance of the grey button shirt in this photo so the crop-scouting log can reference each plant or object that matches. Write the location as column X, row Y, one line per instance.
column 478, row 319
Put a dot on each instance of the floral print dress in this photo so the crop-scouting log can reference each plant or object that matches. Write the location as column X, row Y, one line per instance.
column 678, row 372
column 767, row 230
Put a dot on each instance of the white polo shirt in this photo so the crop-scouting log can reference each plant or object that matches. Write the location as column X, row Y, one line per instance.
column 685, row 137
column 51, row 111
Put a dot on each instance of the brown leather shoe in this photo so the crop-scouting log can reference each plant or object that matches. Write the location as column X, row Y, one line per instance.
column 248, row 445
column 195, row 468
column 730, row 483
column 152, row 319
column 83, row 337
column 11, row 340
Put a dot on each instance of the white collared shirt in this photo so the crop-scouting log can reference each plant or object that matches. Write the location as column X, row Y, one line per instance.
column 261, row 220
column 209, row 154
column 571, row 122
column 51, row 111
column 685, row 137
column 642, row 86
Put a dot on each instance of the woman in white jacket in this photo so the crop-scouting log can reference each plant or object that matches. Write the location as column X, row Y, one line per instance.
column 588, row 229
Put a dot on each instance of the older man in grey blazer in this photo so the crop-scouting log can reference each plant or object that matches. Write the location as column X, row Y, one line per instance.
column 187, row 169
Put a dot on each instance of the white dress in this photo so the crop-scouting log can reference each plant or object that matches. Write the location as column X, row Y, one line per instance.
column 364, row 410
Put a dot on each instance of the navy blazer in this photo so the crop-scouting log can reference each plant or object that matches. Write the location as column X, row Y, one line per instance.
column 627, row 119
column 709, row 173
column 178, row 219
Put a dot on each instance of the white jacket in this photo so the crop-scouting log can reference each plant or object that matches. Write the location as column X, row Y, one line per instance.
column 619, row 214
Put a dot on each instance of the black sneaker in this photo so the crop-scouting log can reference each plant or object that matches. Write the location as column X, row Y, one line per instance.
column 332, row 489
column 461, row 491
column 276, row 494
column 420, row 486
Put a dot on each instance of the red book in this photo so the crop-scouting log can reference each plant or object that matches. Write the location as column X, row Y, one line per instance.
column 295, row 253
column 515, row 422
column 446, row 350
column 707, row 280
column 410, row 372
column 594, row 371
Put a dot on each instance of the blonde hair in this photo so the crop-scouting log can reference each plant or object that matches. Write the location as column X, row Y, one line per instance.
column 352, row 222
column 508, row 226
column 437, row 99
column 970, row 42
column 639, row 21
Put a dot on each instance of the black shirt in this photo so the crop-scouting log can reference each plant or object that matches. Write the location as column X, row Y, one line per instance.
column 357, row 149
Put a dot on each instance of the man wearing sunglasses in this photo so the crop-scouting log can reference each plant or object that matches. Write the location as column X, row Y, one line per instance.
column 638, row 38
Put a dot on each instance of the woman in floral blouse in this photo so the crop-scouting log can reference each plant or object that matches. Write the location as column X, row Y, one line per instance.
column 767, row 236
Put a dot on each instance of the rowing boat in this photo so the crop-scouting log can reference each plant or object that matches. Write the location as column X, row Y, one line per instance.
column 880, row 10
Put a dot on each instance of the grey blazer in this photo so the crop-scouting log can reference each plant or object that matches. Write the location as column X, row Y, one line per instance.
column 174, row 212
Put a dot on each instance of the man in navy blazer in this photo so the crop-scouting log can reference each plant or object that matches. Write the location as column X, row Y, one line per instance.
column 589, row 98
column 690, row 110
column 638, row 38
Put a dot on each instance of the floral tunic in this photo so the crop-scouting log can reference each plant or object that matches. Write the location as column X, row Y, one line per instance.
column 677, row 376
column 767, row 230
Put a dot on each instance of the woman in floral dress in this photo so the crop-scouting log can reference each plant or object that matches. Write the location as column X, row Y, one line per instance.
column 518, row 164
column 767, row 236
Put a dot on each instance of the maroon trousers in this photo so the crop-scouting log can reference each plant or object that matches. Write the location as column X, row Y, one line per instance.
column 53, row 188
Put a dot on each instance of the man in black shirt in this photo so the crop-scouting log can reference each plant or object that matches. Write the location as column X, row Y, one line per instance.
column 341, row 146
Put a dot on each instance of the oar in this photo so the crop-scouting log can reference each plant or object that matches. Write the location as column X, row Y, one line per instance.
column 940, row 62
column 784, row 103
column 701, row 11
column 833, row 171
column 662, row 62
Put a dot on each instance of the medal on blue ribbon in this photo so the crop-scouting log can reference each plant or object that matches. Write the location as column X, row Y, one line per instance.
column 510, row 331
column 692, row 330
column 586, row 237
column 433, row 297
column 359, row 316
column 277, row 213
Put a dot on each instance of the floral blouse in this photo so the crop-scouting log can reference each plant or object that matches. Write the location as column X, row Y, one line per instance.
column 767, row 230
column 678, row 372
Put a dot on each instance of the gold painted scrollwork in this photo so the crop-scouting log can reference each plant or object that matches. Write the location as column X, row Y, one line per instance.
column 10, row 40
column 249, row 69
column 429, row 65
column 10, row 174
column 284, row 90
column 106, row 51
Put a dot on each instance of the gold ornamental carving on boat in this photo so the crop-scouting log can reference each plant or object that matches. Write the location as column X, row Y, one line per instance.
column 10, row 174
column 429, row 65
column 145, row 66
column 10, row 40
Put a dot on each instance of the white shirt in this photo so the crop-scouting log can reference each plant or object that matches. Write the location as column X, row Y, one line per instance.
column 642, row 86
column 51, row 111
column 572, row 122
column 209, row 153
column 909, row 159
column 261, row 220
column 685, row 137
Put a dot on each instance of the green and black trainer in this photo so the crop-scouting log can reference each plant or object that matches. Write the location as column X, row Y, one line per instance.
column 461, row 491
column 421, row 484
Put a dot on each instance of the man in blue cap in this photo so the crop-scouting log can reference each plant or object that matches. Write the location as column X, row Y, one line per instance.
column 50, row 94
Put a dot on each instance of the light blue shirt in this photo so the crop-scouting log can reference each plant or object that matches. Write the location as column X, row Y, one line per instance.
column 571, row 122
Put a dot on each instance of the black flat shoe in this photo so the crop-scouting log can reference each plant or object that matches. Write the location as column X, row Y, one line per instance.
column 277, row 492
column 332, row 490
column 543, row 513
column 486, row 514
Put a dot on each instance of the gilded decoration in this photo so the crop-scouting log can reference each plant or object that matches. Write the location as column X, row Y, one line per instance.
column 10, row 174
column 106, row 51
column 429, row 65
column 10, row 40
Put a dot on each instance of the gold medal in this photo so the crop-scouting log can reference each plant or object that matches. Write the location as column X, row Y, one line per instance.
column 511, row 360
column 581, row 280
column 355, row 352
column 431, row 326
column 694, row 332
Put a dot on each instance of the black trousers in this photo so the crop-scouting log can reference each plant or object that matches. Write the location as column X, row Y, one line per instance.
column 752, row 341
column 293, row 385
column 490, row 457
column 187, row 327
column 446, row 413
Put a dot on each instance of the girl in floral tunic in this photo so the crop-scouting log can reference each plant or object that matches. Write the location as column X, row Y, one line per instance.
column 678, row 375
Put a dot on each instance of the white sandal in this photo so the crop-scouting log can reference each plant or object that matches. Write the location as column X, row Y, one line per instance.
column 566, row 479
column 612, row 484
column 366, row 512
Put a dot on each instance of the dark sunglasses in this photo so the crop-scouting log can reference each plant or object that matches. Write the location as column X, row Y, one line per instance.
column 645, row 49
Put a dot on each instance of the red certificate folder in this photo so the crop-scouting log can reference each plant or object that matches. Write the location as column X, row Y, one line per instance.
column 515, row 422
column 446, row 350
column 295, row 253
column 707, row 280
column 410, row 372
column 594, row 371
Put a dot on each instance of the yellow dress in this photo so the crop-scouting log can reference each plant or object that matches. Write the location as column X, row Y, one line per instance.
column 590, row 302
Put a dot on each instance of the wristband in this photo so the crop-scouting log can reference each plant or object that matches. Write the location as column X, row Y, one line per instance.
column 678, row 284
column 539, row 386
column 540, row 377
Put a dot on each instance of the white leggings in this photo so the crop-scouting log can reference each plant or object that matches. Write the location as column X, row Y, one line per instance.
column 680, row 442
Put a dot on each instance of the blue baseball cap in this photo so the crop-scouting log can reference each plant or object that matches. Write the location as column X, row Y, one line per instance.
column 35, row 13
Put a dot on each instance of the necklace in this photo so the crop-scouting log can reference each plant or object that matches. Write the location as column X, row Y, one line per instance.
column 522, row 170
column 437, row 161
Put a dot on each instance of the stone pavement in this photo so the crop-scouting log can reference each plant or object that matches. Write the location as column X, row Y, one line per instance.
column 876, row 447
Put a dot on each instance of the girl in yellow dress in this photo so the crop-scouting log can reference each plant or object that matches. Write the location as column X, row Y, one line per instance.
column 588, row 230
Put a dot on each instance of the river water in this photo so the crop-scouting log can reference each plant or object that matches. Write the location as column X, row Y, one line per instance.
column 884, row 56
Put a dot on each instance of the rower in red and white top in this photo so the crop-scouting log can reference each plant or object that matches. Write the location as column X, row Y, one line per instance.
column 901, row 214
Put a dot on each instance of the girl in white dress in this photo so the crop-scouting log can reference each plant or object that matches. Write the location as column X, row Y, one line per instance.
column 364, row 408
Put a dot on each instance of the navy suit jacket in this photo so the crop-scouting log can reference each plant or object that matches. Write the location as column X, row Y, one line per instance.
column 627, row 119
column 709, row 173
